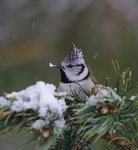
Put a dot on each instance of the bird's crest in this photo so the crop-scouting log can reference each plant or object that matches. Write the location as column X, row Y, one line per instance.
column 74, row 54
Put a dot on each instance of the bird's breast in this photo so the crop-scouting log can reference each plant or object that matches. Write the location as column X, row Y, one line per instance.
column 85, row 84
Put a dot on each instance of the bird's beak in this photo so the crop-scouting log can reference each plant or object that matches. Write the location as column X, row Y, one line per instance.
column 59, row 66
column 56, row 66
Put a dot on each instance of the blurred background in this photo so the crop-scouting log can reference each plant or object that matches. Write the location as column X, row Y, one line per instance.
column 34, row 33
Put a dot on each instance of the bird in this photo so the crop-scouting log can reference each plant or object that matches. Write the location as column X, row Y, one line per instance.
column 75, row 73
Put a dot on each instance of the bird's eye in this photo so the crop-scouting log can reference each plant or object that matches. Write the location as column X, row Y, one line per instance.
column 70, row 66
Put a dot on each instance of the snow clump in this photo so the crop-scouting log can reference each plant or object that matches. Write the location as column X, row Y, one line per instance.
column 40, row 97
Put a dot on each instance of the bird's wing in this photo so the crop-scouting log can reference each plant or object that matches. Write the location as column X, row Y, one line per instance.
column 92, row 77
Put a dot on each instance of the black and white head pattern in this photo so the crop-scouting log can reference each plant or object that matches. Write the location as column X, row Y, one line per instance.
column 75, row 54
column 74, row 66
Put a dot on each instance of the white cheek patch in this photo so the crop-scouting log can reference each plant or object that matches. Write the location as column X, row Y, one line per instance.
column 76, row 70
column 72, row 76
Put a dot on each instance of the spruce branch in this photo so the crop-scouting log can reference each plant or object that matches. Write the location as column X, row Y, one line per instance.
column 60, row 121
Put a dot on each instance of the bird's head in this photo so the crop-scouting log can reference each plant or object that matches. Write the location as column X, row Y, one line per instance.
column 73, row 68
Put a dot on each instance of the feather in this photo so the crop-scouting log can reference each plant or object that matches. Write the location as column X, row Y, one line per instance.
column 74, row 54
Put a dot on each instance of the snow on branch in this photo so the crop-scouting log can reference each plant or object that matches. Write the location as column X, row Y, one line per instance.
column 39, row 99
column 67, row 120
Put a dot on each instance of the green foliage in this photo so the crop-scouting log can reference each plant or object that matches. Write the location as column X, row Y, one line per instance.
column 86, row 124
column 123, row 84
column 91, row 124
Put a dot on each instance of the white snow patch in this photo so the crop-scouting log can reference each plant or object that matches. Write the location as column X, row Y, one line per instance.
column 60, row 123
column 132, row 98
column 39, row 124
column 115, row 89
column 104, row 92
column 4, row 102
column 51, row 65
column 103, row 95
column 131, row 115
column 62, row 94
column 40, row 97
column 92, row 100
column 124, row 97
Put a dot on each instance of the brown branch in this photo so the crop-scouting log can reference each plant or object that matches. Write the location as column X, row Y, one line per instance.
column 121, row 142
